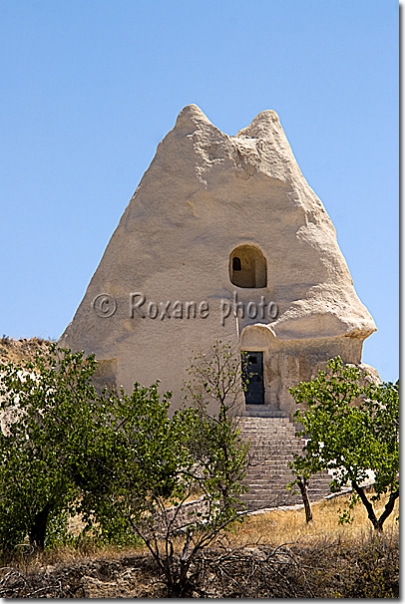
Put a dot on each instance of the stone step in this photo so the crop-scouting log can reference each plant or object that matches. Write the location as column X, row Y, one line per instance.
column 273, row 453
column 276, row 450
column 267, row 429
column 266, row 422
column 273, row 442
column 267, row 437
column 274, row 478
column 266, row 462
column 275, row 434
column 263, row 411
column 262, row 423
column 263, row 470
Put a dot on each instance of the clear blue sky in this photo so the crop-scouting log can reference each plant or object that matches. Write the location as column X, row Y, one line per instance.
column 90, row 87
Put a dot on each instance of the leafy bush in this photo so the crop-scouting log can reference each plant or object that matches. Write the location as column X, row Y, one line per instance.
column 48, row 407
column 120, row 461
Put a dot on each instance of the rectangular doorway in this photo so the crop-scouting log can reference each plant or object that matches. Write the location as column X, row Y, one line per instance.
column 252, row 369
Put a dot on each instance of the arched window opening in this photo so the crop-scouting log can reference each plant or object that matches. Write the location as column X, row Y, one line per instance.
column 236, row 264
column 248, row 267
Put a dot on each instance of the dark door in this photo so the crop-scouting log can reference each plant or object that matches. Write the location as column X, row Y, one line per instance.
column 252, row 363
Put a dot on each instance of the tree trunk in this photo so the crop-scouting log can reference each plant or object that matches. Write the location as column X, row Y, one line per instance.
column 38, row 530
column 369, row 507
column 303, row 486
column 389, row 506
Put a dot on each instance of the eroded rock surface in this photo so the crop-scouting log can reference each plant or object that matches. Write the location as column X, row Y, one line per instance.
column 167, row 277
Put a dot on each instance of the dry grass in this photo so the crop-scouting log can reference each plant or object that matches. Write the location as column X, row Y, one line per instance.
column 273, row 528
column 288, row 525
column 15, row 351
column 270, row 555
column 273, row 554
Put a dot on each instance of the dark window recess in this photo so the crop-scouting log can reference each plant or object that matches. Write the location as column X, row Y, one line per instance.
column 247, row 267
column 236, row 264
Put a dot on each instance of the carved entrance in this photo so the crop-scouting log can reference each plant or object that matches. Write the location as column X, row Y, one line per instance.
column 252, row 363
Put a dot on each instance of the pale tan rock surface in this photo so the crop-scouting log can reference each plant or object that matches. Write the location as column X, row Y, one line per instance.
column 204, row 194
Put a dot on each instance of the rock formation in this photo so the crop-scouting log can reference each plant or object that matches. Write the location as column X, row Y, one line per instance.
column 223, row 238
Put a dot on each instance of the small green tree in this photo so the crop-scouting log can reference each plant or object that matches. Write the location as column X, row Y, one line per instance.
column 120, row 460
column 47, row 408
column 352, row 429
column 138, row 460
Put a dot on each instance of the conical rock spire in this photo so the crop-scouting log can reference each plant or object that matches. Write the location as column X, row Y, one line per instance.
column 204, row 194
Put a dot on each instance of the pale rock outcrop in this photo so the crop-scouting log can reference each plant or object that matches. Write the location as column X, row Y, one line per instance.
column 204, row 195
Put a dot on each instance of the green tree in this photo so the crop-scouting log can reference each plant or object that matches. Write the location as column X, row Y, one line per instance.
column 352, row 429
column 121, row 461
column 67, row 449
column 136, row 467
column 47, row 410
column 176, row 479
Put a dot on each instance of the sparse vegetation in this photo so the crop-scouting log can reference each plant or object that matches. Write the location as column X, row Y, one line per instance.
column 17, row 351
column 132, row 478
column 163, row 461
column 119, row 460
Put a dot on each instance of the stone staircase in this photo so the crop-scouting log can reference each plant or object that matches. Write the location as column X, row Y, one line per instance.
column 273, row 441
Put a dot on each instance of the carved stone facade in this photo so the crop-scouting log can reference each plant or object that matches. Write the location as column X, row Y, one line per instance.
column 223, row 239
